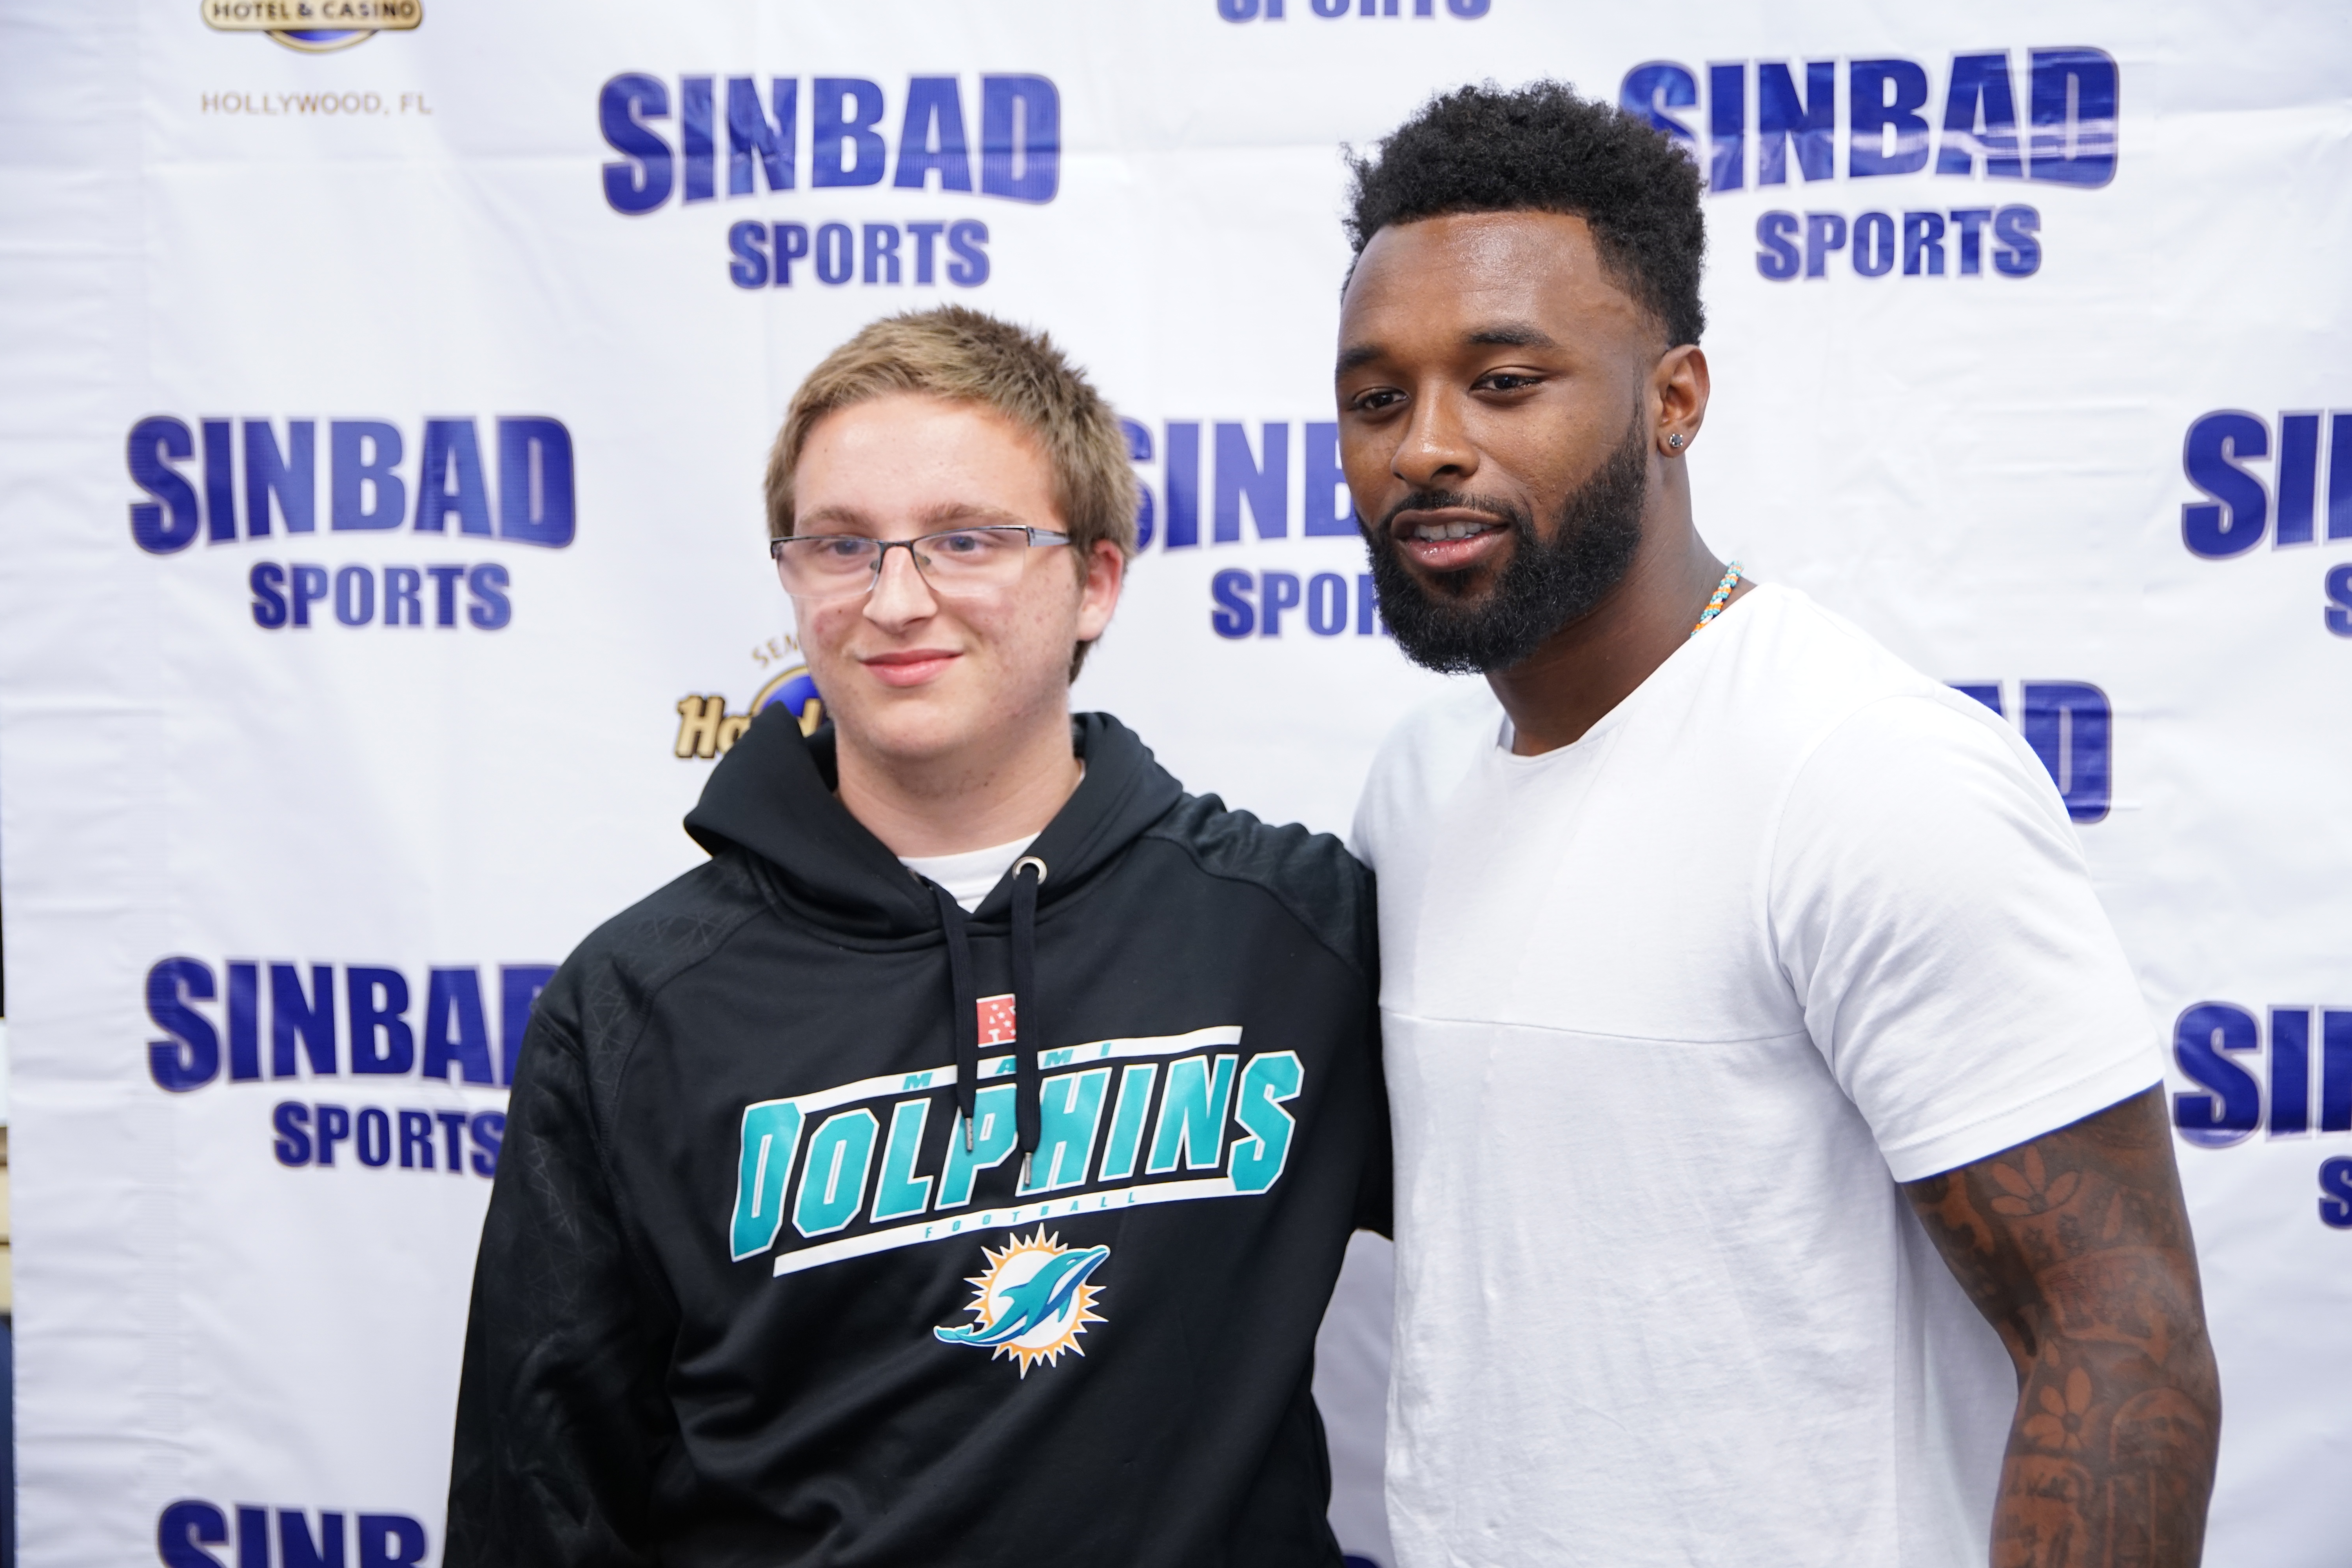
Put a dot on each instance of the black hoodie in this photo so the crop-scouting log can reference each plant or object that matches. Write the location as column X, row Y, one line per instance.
column 753, row 1289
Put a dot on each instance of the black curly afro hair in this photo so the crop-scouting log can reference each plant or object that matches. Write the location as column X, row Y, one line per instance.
column 1543, row 148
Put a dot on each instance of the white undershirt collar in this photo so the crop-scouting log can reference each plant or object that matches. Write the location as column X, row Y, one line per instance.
column 969, row 876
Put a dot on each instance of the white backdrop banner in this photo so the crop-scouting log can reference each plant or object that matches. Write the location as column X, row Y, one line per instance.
column 382, row 421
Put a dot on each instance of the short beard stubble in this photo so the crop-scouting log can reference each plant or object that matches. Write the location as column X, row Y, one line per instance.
column 1545, row 586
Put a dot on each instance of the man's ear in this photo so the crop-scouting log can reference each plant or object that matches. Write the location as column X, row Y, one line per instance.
column 1105, row 575
column 1679, row 383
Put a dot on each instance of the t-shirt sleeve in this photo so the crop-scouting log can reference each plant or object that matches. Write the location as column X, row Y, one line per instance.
column 1931, row 907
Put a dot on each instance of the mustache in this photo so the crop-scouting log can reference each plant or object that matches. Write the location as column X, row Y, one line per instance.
column 1454, row 500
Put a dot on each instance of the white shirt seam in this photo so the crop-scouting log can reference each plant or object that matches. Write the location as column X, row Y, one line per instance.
column 1399, row 1013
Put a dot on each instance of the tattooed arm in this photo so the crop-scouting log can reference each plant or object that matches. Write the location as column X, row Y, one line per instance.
column 2076, row 1247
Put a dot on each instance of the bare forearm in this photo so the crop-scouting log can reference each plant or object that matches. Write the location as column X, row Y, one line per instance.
column 2076, row 1248
column 2110, row 1460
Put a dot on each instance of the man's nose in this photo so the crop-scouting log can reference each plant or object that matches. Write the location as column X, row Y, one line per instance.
column 899, row 596
column 1435, row 451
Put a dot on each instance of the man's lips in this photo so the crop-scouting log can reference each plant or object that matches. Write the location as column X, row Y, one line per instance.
column 909, row 666
column 1450, row 539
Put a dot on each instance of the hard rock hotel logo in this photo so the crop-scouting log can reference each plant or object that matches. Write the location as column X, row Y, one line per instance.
column 315, row 27
column 707, row 729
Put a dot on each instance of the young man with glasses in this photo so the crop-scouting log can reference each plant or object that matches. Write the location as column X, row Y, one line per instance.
column 955, row 1167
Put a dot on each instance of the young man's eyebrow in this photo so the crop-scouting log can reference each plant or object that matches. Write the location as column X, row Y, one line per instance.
column 956, row 511
column 944, row 515
column 843, row 516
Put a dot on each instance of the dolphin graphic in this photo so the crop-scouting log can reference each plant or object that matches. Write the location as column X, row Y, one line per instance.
column 1043, row 1297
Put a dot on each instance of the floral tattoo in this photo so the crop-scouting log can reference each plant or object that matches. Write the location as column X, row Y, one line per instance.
column 2076, row 1248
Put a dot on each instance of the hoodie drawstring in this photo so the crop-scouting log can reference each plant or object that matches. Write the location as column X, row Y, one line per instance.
column 963, row 1007
column 1028, row 876
column 1028, row 1027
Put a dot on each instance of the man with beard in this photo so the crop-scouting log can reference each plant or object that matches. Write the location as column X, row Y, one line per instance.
column 1732, row 969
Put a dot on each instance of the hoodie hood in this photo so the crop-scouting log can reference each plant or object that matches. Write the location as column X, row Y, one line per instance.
column 773, row 795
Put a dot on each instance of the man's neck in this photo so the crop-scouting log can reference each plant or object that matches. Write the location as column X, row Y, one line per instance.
column 951, row 806
column 1588, row 666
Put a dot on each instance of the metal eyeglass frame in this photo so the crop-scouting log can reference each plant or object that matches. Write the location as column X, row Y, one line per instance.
column 1036, row 537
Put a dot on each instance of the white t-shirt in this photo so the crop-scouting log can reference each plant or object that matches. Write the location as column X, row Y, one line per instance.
column 1669, row 1011
column 970, row 876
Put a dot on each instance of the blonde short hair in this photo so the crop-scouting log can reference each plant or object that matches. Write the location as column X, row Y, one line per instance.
column 962, row 356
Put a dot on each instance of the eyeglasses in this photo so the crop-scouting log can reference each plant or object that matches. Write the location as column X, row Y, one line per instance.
column 960, row 563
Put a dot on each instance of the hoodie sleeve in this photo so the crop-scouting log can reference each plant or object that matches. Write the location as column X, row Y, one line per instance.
column 1376, row 1191
column 561, row 1418
column 1376, row 1194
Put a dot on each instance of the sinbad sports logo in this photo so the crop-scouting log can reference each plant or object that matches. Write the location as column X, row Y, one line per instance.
column 940, row 176
column 2240, row 507
column 1330, row 10
column 249, row 487
column 315, row 27
column 1032, row 1302
column 2292, row 1079
column 1998, row 132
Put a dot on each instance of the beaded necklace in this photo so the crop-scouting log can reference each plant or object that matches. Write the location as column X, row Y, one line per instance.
column 1720, row 597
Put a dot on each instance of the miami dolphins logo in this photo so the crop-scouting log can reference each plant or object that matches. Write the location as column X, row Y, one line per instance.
column 1032, row 1302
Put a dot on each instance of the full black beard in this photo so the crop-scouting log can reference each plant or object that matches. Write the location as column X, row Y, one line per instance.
column 1544, row 587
